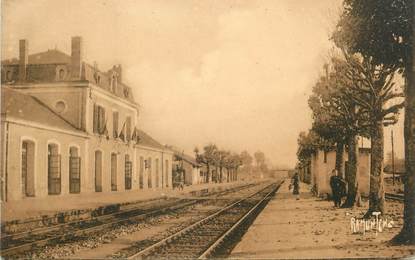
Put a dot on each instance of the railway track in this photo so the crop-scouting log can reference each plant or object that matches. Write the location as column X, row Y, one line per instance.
column 207, row 237
column 395, row 197
column 14, row 244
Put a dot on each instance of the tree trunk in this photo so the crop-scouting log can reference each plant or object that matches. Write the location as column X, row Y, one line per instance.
column 407, row 234
column 376, row 192
column 220, row 174
column 339, row 158
column 351, row 172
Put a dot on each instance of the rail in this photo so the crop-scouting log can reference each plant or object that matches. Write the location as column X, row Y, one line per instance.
column 210, row 247
column 21, row 242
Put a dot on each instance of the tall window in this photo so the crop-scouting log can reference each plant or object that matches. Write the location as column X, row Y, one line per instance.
column 115, row 124
column 141, row 173
column 149, row 173
column 54, row 170
column 166, row 175
column 61, row 74
column 128, row 172
column 28, row 168
column 128, row 128
column 114, row 171
column 99, row 119
column 98, row 171
column 325, row 157
column 74, row 171
column 156, row 162
column 162, row 174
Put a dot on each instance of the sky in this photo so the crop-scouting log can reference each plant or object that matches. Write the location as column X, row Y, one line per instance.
column 234, row 73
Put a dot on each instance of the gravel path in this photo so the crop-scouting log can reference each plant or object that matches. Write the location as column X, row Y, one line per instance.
column 313, row 228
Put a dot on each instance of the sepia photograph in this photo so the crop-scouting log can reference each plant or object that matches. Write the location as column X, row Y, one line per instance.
column 207, row 129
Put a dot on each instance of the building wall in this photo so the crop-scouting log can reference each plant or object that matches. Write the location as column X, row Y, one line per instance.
column 196, row 175
column 165, row 159
column 188, row 176
column 17, row 133
column 73, row 96
column 111, row 103
column 364, row 173
column 80, row 103
column 108, row 144
column 321, row 170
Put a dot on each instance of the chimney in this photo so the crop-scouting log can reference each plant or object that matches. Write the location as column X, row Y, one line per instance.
column 23, row 59
column 118, row 69
column 76, row 57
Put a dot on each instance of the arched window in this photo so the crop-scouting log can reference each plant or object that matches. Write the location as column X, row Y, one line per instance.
column 149, row 173
column 156, row 166
column 54, row 169
column 141, row 173
column 128, row 172
column 61, row 74
column 28, row 168
column 166, row 175
column 9, row 75
column 74, row 170
column 114, row 171
column 98, row 171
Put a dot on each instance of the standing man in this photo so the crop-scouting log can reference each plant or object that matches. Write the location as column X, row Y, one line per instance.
column 296, row 184
column 338, row 188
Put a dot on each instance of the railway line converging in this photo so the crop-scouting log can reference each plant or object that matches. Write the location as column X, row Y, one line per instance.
column 19, row 244
column 213, row 235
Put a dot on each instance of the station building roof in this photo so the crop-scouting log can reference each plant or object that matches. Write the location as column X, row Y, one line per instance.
column 147, row 140
column 54, row 56
column 18, row 105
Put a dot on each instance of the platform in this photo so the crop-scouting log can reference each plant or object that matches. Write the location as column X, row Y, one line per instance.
column 308, row 227
column 34, row 207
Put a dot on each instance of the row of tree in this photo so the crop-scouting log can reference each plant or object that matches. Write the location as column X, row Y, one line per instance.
column 219, row 162
column 358, row 96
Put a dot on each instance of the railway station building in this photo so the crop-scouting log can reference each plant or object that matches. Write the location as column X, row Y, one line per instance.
column 69, row 128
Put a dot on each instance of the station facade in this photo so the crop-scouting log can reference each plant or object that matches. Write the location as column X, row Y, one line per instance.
column 69, row 128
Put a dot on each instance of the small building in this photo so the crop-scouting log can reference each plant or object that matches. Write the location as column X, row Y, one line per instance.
column 190, row 168
column 323, row 162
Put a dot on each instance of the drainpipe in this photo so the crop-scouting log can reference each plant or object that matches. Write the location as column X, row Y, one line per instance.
column 5, row 181
column 162, row 169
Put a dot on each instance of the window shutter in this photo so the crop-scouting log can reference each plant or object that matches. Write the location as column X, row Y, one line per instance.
column 115, row 124
column 102, row 120
column 128, row 128
column 95, row 119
